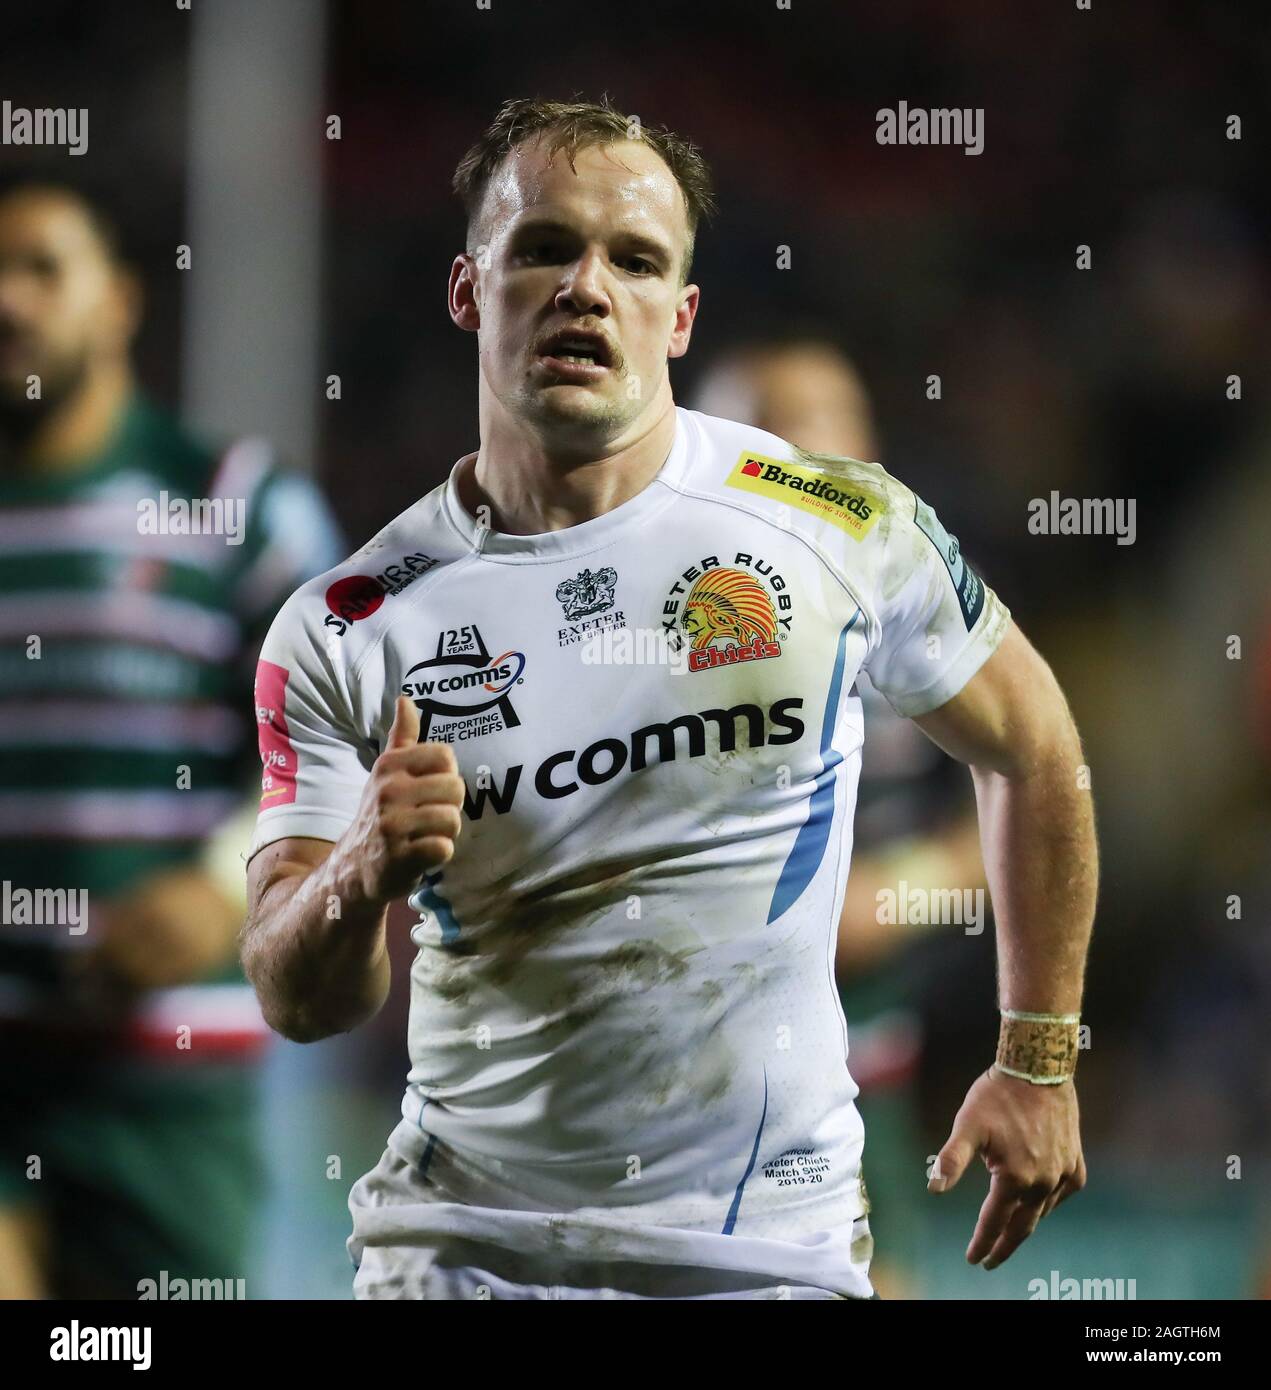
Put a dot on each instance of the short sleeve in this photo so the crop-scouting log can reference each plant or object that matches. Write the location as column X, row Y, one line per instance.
column 938, row 621
column 314, row 765
column 290, row 537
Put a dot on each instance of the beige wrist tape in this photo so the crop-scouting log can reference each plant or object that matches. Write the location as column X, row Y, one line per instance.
column 1041, row 1048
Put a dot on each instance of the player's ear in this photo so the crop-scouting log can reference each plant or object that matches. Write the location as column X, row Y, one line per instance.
column 462, row 295
column 685, row 314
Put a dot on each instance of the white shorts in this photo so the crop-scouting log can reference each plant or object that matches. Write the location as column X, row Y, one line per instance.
column 402, row 1250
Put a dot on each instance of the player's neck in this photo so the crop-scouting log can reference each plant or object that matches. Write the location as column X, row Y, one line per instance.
column 528, row 492
column 73, row 436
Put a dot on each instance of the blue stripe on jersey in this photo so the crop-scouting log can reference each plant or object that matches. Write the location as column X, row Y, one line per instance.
column 427, row 1158
column 750, row 1167
column 814, row 834
column 435, row 903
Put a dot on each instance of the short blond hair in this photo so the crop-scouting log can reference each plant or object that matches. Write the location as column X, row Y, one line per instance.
column 575, row 125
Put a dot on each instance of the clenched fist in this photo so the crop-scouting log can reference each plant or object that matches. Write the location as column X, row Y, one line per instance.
column 411, row 811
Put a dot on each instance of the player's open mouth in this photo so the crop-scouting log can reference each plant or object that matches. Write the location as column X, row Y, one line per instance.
column 573, row 368
column 576, row 356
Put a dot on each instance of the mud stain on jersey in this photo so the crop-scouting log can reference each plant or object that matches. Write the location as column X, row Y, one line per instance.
column 700, row 1080
column 493, row 951
column 508, row 950
column 633, row 968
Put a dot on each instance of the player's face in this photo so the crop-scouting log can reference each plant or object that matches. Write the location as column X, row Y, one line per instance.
column 595, row 252
column 60, row 300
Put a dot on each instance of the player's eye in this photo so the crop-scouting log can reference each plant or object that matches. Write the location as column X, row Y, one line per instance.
column 640, row 266
column 541, row 251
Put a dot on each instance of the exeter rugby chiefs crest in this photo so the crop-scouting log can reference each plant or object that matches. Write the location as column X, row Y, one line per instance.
column 463, row 692
column 729, row 613
column 587, row 593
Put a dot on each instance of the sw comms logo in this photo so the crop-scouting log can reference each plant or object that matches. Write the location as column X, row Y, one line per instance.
column 463, row 693
column 567, row 772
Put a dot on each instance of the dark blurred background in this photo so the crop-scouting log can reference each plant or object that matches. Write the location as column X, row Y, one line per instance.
column 314, row 257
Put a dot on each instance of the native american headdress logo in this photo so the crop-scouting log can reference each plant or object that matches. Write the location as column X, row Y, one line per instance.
column 730, row 606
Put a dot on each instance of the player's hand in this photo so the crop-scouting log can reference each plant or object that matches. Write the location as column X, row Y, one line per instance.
column 1030, row 1139
column 410, row 813
column 173, row 927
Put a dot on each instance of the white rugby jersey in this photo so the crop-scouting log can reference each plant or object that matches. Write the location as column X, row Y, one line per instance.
column 625, row 1038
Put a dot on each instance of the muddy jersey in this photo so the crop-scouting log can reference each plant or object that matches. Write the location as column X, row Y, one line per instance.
column 625, row 1037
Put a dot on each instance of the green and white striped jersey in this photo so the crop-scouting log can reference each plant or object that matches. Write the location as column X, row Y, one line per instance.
column 134, row 592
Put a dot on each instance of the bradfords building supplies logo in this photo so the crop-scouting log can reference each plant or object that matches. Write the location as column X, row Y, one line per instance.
column 730, row 613
column 835, row 499
column 464, row 694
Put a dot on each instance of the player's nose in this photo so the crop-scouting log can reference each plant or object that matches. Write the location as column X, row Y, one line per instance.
column 583, row 288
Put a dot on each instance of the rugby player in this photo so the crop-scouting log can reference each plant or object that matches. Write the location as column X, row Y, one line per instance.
column 629, row 1066
column 129, row 1040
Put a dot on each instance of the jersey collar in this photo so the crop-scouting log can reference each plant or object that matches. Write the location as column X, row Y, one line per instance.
column 658, row 494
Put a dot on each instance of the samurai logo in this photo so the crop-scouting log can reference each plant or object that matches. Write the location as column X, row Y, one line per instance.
column 587, row 593
column 357, row 596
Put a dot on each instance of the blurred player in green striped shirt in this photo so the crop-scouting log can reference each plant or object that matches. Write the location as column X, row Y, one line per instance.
column 139, row 570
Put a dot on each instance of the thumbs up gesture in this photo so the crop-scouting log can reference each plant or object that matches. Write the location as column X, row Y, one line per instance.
column 411, row 810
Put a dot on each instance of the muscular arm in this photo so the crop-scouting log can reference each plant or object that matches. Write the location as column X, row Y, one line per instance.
column 314, row 943
column 315, row 972
column 1011, row 724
